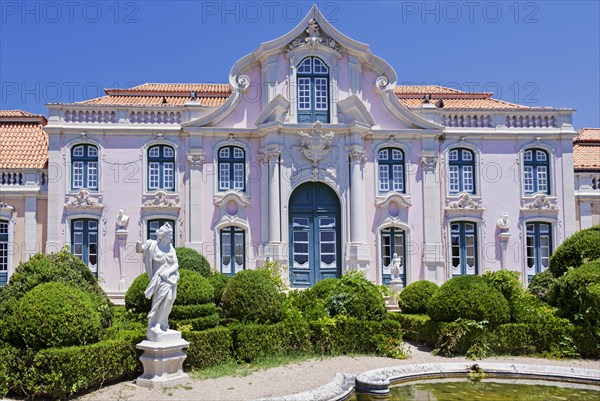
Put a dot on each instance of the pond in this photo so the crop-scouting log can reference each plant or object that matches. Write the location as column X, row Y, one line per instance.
column 489, row 390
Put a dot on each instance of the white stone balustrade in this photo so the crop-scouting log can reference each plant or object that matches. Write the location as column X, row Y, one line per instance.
column 89, row 116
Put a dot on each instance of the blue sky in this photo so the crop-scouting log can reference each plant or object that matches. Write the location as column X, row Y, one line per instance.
column 537, row 53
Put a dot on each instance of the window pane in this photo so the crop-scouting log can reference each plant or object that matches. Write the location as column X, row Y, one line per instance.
column 92, row 151
column 224, row 176
column 321, row 93
column 319, row 66
column 542, row 179
column 453, row 179
column 78, row 151
column 397, row 172
column 304, row 66
column 528, row 179
column 77, row 174
column 92, row 176
column 224, row 153
column 383, row 154
column 304, row 94
column 455, row 244
column 238, row 153
column 299, row 222
column 396, row 154
column 239, row 251
column 168, row 152
column 169, row 176
column 468, row 185
column 528, row 156
column 453, row 155
column 238, row 176
column 540, row 155
column 530, row 248
column 78, row 225
column 326, row 222
column 153, row 175
column 154, row 151
column 384, row 184
column 467, row 155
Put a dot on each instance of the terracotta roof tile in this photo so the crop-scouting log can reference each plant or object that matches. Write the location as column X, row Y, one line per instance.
column 23, row 144
column 586, row 157
column 214, row 95
column 588, row 135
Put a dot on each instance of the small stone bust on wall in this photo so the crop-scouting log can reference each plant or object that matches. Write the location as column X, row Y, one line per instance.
column 162, row 267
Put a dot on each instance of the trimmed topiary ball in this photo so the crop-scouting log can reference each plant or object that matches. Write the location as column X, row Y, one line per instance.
column 193, row 289
column 135, row 300
column 541, row 284
column 578, row 249
column 219, row 281
column 55, row 315
column 468, row 297
column 190, row 259
column 414, row 298
column 251, row 297
column 62, row 267
column 575, row 294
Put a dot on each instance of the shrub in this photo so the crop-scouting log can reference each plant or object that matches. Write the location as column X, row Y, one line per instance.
column 209, row 347
column 352, row 295
column 276, row 271
column 197, row 323
column 190, row 259
column 578, row 249
column 180, row 312
column 218, row 281
column 468, row 297
column 309, row 307
column 60, row 372
column 541, row 284
column 55, row 315
column 414, row 298
column 135, row 301
column 193, row 289
column 505, row 281
column 576, row 294
column 251, row 297
column 62, row 267
column 419, row 328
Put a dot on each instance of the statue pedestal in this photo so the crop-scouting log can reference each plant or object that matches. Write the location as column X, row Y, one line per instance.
column 163, row 360
column 396, row 285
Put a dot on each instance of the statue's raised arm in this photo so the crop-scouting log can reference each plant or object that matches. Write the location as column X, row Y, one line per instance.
column 162, row 267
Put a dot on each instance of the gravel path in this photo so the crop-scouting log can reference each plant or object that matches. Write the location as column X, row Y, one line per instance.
column 296, row 377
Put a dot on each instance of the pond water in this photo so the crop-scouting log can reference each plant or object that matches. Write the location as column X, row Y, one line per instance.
column 490, row 390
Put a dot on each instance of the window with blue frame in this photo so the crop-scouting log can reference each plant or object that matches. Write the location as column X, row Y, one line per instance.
column 84, row 167
column 312, row 79
column 233, row 250
column 154, row 225
column 461, row 171
column 536, row 171
column 232, row 168
column 3, row 252
column 538, row 247
column 84, row 242
column 391, row 170
column 161, row 168
column 463, row 244
column 392, row 242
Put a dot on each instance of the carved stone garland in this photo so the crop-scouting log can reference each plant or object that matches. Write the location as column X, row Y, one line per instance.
column 465, row 202
column 160, row 200
column 313, row 39
column 316, row 146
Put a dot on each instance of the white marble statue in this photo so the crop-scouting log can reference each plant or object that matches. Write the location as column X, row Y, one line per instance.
column 122, row 219
column 396, row 266
column 503, row 224
column 160, row 262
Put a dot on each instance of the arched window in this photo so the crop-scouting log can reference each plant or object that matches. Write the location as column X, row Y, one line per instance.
column 84, row 242
column 312, row 76
column 232, row 168
column 463, row 244
column 154, row 225
column 539, row 247
column 3, row 252
column 391, row 170
column 461, row 171
column 233, row 250
column 161, row 168
column 84, row 167
column 536, row 168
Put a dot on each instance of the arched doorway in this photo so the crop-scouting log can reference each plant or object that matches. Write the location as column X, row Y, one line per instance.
column 315, row 239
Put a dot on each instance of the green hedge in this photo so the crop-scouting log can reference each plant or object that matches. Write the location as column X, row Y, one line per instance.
column 209, row 347
column 541, row 284
column 578, row 249
column 190, row 259
column 576, row 294
column 60, row 372
column 418, row 328
column 181, row 312
column 218, row 281
column 198, row 323
column 414, row 298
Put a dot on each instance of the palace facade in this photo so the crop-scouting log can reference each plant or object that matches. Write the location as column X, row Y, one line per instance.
column 312, row 156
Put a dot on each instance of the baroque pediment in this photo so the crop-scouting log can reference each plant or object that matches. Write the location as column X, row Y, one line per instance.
column 312, row 38
column 161, row 200
column 463, row 202
column 84, row 199
column 539, row 203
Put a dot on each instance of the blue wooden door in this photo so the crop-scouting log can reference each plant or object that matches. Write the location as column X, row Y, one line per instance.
column 314, row 227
